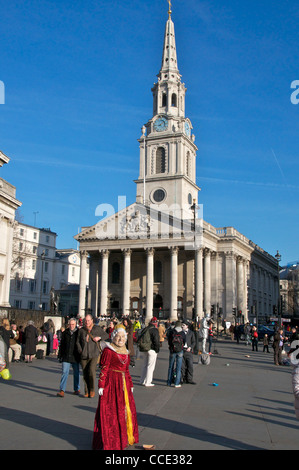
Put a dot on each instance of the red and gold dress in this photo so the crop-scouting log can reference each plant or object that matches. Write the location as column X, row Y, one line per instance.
column 115, row 425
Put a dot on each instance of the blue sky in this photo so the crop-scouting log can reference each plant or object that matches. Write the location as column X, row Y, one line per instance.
column 78, row 78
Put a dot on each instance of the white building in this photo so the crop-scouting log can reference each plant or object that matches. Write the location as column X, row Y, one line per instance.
column 158, row 255
column 8, row 206
column 39, row 269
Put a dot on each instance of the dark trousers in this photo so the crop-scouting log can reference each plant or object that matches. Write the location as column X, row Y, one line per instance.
column 89, row 368
column 187, row 367
column 254, row 344
column 277, row 355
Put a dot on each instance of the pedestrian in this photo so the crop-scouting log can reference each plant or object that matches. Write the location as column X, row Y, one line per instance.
column 278, row 347
column 247, row 332
column 6, row 335
column 161, row 329
column 266, row 343
column 55, row 344
column 210, row 335
column 115, row 425
column 176, row 340
column 187, row 364
column 151, row 334
column 14, row 345
column 130, row 343
column 254, row 338
column 69, row 356
column 237, row 332
column 30, row 337
column 88, row 344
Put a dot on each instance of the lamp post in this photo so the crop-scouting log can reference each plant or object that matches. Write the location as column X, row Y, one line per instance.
column 278, row 258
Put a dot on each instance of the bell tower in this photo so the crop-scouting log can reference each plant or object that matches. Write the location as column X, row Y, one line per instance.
column 167, row 149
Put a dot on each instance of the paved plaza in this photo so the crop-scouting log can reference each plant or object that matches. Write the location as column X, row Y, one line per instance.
column 238, row 403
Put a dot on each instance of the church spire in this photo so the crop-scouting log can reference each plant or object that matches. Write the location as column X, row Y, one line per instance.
column 169, row 68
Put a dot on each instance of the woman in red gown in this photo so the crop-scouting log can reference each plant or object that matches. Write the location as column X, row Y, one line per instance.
column 115, row 426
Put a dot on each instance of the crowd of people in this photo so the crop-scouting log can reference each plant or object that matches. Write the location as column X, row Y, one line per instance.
column 110, row 347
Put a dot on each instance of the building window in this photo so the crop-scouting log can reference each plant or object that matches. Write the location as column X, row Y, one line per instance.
column 46, row 252
column 19, row 285
column 21, row 232
column 115, row 273
column 34, row 250
column 164, row 100
column 18, row 303
column 34, row 236
column 32, row 285
column 47, row 238
column 45, row 287
column 46, row 267
column 173, row 100
column 34, row 264
column 31, row 305
column 63, row 269
column 160, row 160
column 73, row 271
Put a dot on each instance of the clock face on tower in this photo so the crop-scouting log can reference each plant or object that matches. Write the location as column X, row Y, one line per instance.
column 160, row 124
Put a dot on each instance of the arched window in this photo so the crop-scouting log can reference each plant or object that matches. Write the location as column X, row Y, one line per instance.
column 173, row 100
column 164, row 100
column 158, row 271
column 115, row 273
column 160, row 160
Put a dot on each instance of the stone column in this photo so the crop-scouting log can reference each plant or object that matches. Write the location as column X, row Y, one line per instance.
column 149, row 284
column 127, row 281
column 82, row 286
column 104, row 282
column 207, row 281
column 174, row 283
column 198, row 304
column 240, row 284
column 230, row 284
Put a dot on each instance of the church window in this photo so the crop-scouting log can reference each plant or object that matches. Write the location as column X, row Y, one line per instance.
column 115, row 273
column 159, row 195
column 160, row 160
column 173, row 100
column 164, row 100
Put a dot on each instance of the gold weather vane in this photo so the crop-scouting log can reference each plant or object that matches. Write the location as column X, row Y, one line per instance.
column 169, row 11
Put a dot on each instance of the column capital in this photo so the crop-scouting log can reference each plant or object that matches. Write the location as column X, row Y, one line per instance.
column 83, row 254
column 104, row 253
column 126, row 251
column 207, row 252
column 150, row 251
column 174, row 250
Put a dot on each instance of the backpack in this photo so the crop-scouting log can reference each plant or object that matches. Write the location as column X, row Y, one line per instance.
column 144, row 341
column 177, row 342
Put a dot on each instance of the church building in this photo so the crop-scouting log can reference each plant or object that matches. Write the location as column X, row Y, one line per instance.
column 158, row 256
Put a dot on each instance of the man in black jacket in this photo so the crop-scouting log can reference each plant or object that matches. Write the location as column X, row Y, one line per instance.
column 187, row 364
column 69, row 356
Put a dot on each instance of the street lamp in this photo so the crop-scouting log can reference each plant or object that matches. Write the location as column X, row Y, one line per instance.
column 278, row 258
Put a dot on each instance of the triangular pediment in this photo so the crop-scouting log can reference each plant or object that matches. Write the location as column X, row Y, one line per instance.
column 139, row 222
